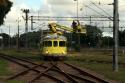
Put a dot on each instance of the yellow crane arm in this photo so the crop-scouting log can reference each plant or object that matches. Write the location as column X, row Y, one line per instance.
column 52, row 27
column 77, row 28
column 65, row 28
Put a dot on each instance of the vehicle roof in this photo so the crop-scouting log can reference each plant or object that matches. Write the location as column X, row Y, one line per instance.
column 54, row 37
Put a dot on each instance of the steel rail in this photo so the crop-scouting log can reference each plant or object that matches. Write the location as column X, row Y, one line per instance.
column 41, row 74
column 52, row 77
column 24, row 60
column 19, row 59
column 83, row 78
column 63, row 72
column 16, row 62
column 87, row 73
column 24, row 72
column 71, row 75
column 54, row 67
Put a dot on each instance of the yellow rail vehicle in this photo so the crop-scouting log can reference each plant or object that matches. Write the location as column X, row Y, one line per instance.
column 54, row 46
column 54, row 43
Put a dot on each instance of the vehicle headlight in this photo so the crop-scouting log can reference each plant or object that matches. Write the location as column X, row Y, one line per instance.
column 63, row 52
column 46, row 52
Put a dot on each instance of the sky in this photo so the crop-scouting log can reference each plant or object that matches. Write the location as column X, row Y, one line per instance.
column 61, row 8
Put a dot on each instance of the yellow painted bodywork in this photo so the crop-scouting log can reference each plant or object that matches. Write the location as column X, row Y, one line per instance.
column 57, row 51
column 54, row 51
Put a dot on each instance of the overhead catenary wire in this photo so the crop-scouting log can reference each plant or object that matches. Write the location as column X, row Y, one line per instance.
column 99, row 13
column 101, row 9
column 93, row 9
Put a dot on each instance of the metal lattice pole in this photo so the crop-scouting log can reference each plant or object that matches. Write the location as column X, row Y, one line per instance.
column 115, row 36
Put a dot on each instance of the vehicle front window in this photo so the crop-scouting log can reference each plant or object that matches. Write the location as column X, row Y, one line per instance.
column 55, row 43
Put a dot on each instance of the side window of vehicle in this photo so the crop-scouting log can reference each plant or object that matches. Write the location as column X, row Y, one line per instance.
column 47, row 43
column 62, row 43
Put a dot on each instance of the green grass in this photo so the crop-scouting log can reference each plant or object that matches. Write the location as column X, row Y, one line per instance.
column 99, row 61
column 3, row 68
column 19, row 53
column 5, row 72
column 34, row 55
column 103, row 69
column 4, row 65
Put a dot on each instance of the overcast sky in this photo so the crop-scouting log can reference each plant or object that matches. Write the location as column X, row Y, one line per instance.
column 60, row 8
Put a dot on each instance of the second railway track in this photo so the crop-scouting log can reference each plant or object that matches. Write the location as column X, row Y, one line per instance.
column 51, row 72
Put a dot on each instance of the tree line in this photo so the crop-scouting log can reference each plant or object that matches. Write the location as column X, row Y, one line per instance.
column 93, row 38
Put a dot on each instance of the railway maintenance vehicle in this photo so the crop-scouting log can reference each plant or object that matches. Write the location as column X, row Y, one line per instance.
column 54, row 44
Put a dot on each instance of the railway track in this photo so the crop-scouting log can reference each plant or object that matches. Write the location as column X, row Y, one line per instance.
column 52, row 72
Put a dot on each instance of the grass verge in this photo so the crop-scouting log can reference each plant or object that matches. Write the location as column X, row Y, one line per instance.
column 95, row 60
column 3, row 67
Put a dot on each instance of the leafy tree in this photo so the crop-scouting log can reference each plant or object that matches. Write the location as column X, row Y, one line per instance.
column 122, row 38
column 5, row 6
column 33, row 39
column 13, row 40
column 5, row 39
column 93, row 36
column 107, row 41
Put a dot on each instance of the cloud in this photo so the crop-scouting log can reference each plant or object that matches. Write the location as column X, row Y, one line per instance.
column 59, row 2
column 13, row 15
column 60, row 8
